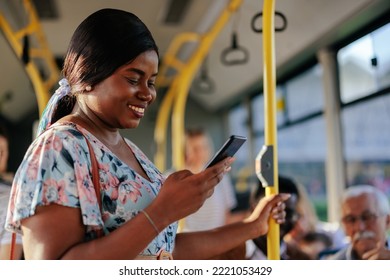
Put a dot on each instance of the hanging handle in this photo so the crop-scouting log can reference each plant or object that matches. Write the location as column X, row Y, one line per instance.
column 26, row 50
column 277, row 29
column 204, row 83
column 233, row 51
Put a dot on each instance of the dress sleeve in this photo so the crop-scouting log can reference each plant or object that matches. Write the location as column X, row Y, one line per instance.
column 55, row 169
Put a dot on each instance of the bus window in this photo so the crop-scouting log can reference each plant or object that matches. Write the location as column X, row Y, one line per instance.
column 364, row 65
column 366, row 139
column 305, row 93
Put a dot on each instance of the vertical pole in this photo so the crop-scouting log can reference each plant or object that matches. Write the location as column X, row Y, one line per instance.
column 185, row 78
column 267, row 160
column 335, row 167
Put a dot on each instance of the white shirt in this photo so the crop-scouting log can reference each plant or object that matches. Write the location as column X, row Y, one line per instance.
column 212, row 214
column 5, row 236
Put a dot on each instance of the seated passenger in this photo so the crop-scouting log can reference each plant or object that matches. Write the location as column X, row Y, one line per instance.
column 366, row 219
column 5, row 190
column 315, row 243
column 309, row 222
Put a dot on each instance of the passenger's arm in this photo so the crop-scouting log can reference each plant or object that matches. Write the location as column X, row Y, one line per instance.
column 57, row 232
column 208, row 244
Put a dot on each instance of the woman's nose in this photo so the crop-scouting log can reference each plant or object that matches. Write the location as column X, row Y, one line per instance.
column 145, row 94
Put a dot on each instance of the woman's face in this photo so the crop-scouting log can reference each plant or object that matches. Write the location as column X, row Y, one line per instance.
column 120, row 101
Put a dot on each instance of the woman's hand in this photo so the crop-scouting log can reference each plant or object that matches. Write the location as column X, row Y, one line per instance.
column 268, row 207
column 183, row 192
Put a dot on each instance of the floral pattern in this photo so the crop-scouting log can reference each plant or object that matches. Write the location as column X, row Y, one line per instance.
column 57, row 169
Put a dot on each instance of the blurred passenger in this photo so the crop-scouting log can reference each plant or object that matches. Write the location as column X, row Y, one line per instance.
column 5, row 190
column 309, row 222
column 366, row 219
column 216, row 211
column 314, row 243
column 256, row 249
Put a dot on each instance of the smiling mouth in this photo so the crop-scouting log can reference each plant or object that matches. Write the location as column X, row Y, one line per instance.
column 137, row 109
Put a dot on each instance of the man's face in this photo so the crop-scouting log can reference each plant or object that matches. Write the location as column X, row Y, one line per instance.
column 363, row 223
column 3, row 154
column 198, row 152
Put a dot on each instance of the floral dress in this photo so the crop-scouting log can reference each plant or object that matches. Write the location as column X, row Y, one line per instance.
column 57, row 169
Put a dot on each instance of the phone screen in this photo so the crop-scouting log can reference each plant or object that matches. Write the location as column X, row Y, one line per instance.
column 228, row 149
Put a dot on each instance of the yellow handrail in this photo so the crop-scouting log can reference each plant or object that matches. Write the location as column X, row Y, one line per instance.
column 164, row 112
column 171, row 61
column 161, row 131
column 178, row 91
column 41, row 86
column 185, row 78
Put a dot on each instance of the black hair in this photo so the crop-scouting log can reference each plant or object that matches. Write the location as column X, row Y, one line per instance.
column 104, row 41
column 314, row 236
column 286, row 185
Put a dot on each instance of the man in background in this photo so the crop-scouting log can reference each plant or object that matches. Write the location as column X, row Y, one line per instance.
column 366, row 219
column 5, row 189
column 215, row 212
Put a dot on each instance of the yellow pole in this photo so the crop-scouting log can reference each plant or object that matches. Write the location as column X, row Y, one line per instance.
column 170, row 61
column 269, row 152
column 184, row 81
column 41, row 87
column 178, row 90
column 161, row 128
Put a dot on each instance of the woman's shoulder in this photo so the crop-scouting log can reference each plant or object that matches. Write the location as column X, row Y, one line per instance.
column 56, row 138
column 61, row 132
column 63, row 128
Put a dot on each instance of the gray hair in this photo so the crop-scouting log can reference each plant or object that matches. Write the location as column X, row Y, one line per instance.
column 381, row 199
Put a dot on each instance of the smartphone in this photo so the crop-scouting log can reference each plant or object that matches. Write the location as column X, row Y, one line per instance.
column 228, row 149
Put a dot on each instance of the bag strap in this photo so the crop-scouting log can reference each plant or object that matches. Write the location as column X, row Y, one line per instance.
column 95, row 180
column 95, row 174
column 96, row 185
column 12, row 249
column 94, row 163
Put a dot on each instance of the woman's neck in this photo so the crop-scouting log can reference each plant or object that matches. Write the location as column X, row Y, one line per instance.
column 108, row 136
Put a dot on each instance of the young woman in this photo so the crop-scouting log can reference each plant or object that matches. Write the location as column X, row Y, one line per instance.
column 109, row 75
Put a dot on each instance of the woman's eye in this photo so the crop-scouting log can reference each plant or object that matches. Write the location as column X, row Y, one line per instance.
column 132, row 81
